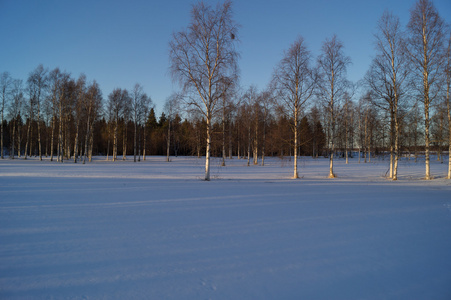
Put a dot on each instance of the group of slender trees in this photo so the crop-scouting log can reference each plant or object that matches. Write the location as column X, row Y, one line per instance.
column 401, row 107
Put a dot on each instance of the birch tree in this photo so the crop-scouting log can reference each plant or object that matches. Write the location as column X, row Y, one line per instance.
column 115, row 107
column 137, row 98
column 38, row 84
column 29, row 117
column 15, row 110
column 226, row 108
column 332, row 83
column 348, row 124
column 294, row 82
column 170, row 107
column 92, row 105
column 57, row 102
column 387, row 79
column 425, row 46
column 248, row 115
column 80, row 94
column 5, row 89
column 126, row 116
column 266, row 101
column 203, row 60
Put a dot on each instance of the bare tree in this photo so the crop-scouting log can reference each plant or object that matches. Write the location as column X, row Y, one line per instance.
column 115, row 107
column 80, row 99
column 266, row 102
column 38, row 84
column 29, row 108
column 15, row 110
column 387, row 79
column 226, row 108
column 203, row 59
column 137, row 98
column 347, row 122
column 256, row 112
column 170, row 107
column 294, row 82
column 57, row 103
column 126, row 116
column 149, row 113
column 332, row 84
column 5, row 89
column 91, row 105
column 427, row 35
column 248, row 114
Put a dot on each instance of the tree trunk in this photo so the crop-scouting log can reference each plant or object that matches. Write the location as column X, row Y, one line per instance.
column 255, row 152
column 115, row 140
column 124, row 141
column 230, row 137
column 207, row 156
column 13, row 139
column 27, row 142
column 108, row 143
column 60, row 134
column 86, row 140
column 39, row 126
column 168, row 145
column 426, row 141
column 395, row 167
column 331, row 165
column 359, row 155
column 139, row 146
column 91, row 142
column 76, row 141
column 223, row 137
column 249, row 141
column 134, row 143
column 295, row 173
column 144, row 142
column 19, row 139
column 332, row 148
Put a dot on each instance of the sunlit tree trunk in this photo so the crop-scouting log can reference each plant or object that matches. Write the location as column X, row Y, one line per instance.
column 207, row 154
column 223, row 133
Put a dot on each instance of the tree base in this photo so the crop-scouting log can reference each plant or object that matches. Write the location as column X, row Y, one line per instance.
column 332, row 176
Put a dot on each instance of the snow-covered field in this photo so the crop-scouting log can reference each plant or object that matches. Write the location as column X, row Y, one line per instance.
column 155, row 230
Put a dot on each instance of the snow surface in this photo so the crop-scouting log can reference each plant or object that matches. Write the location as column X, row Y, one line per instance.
column 155, row 230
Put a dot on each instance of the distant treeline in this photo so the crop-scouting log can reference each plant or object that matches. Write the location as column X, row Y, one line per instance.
column 402, row 105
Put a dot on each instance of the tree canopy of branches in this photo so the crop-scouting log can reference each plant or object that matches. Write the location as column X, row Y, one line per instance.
column 332, row 84
column 387, row 79
column 294, row 82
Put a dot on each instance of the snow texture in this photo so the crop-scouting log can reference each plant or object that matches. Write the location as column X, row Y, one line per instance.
column 156, row 230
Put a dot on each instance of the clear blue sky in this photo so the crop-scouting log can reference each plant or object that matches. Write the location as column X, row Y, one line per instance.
column 120, row 43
